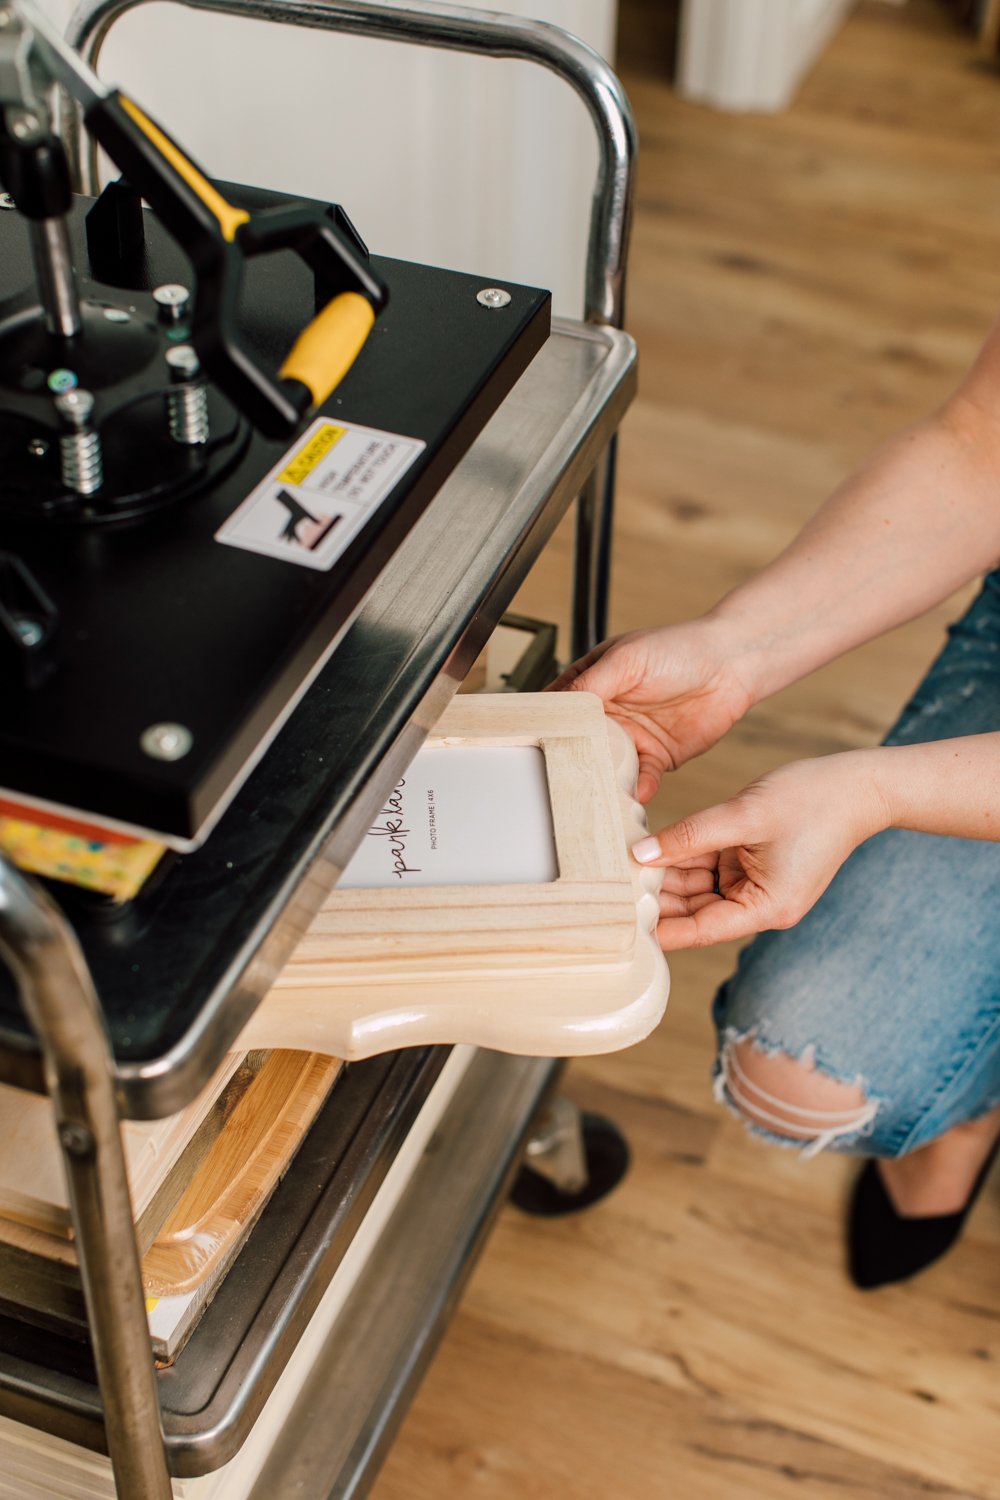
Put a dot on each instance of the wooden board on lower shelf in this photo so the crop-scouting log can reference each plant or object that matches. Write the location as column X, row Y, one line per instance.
column 207, row 1225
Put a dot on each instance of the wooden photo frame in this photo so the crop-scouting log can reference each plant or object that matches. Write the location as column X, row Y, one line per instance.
column 569, row 966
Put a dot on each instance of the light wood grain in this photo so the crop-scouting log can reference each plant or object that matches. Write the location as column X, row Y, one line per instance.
column 230, row 1172
column 212, row 1109
column 33, row 1189
column 239, row 1174
column 586, row 913
column 801, row 287
column 564, row 968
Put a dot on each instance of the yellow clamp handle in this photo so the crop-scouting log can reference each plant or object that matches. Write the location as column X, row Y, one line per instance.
column 229, row 218
column 324, row 352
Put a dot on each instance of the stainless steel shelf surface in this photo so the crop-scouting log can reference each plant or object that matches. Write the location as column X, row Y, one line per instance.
column 224, row 921
column 377, row 1350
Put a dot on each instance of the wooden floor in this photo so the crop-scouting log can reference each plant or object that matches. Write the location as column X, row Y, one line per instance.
column 802, row 286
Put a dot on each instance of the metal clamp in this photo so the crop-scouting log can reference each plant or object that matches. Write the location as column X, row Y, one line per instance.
column 456, row 28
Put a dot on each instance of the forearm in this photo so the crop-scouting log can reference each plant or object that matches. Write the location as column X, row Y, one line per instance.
column 919, row 520
column 763, row 859
column 947, row 786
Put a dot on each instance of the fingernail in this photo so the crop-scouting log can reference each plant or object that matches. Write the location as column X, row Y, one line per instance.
column 646, row 850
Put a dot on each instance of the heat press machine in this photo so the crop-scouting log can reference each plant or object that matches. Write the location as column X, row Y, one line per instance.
column 219, row 415
column 263, row 499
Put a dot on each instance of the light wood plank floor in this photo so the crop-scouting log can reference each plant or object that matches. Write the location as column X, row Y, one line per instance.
column 801, row 287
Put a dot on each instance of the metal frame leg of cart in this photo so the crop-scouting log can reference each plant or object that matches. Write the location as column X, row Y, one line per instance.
column 59, row 1001
column 571, row 1162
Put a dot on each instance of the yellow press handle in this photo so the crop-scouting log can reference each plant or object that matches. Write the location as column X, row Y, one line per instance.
column 229, row 218
column 324, row 352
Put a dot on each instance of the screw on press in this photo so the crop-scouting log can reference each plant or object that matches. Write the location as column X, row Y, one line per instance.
column 24, row 126
column 166, row 741
column 493, row 297
column 187, row 402
column 32, row 632
column 172, row 301
column 80, row 445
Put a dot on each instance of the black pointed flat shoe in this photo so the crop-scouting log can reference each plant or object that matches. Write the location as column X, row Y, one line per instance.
column 884, row 1246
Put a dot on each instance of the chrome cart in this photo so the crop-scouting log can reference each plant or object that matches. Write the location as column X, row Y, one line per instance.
column 238, row 905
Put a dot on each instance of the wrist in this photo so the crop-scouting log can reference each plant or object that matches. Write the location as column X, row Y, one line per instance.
column 876, row 787
column 743, row 645
column 949, row 787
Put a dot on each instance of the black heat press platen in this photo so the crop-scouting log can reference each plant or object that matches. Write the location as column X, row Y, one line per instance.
column 162, row 624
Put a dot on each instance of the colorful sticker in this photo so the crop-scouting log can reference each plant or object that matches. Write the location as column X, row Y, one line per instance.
column 81, row 854
column 318, row 497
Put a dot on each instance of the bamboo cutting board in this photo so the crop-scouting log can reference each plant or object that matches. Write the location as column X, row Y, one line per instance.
column 223, row 1199
column 32, row 1176
column 229, row 1179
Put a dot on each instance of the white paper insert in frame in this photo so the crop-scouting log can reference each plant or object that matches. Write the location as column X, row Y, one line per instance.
column 462, row 815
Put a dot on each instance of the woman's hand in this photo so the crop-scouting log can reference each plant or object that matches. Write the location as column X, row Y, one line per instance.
column 763, row 858
column 674, row 690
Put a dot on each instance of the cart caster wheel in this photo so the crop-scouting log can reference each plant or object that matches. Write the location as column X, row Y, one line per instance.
column 607, row 1157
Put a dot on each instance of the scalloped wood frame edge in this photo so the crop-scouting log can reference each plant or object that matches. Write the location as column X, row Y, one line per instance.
column 562, row 969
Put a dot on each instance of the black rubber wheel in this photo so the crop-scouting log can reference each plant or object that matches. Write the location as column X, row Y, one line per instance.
column 607, row 1162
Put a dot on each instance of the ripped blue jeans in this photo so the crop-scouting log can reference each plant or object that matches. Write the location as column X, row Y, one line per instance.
column 892, row 981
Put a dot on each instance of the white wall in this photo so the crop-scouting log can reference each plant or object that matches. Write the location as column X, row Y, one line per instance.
column 752, row 54
column 474, row 163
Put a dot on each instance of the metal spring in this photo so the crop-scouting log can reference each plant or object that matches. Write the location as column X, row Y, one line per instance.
column 188, row 411
column 82, row 462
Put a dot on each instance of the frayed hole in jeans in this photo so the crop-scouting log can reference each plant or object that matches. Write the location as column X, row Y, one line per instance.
column 815, row 1129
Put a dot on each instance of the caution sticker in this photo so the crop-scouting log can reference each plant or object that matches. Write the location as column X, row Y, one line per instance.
column 318, row 497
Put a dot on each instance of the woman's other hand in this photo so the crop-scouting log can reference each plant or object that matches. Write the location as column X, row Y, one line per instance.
column 763, row 858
